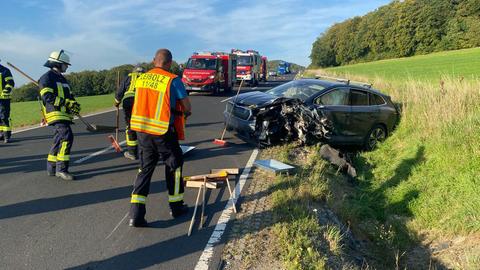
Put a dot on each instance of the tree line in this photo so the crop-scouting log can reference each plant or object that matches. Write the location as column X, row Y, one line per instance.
column 400, row 29
column 87, row 83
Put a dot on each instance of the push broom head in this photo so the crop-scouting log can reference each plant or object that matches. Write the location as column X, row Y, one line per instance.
column 115, row 144
column 220, row 142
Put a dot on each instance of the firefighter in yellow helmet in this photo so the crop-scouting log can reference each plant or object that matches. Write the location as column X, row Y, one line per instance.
column 126, row 95
column 6, row 87
column 59, row 106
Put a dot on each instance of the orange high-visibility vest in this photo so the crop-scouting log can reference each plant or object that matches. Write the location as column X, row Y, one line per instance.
column 151, row 109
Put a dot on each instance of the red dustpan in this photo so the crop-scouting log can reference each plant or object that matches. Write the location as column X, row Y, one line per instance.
column 114, row 141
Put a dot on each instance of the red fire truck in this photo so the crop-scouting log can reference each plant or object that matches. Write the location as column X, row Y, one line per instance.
column 248, row 66
column 210, row 72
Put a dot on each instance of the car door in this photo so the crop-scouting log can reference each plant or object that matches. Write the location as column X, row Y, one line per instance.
column 335, row 106
column 363, row 115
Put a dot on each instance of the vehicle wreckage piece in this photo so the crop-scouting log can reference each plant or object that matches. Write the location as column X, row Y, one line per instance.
column 337, row 158
column 285, row 120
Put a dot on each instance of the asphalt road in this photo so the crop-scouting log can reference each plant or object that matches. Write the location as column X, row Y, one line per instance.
column 47, row 223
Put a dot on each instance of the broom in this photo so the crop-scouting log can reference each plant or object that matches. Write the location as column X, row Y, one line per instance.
column 113, row 140
column 220, row 141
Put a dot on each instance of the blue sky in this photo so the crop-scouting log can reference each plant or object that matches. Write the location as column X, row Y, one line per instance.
column 102, row 34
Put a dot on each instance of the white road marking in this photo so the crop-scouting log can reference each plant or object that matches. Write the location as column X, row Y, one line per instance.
column 96, row 153
column 118, row 225
column 226, row 99
column 38, row 125
column 217, row 233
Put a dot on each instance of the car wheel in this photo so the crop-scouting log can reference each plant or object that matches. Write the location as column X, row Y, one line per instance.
column 377, row 134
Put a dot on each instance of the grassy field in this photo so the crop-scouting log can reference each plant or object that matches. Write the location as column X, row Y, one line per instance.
column 417, row 197
column 431, row 67
column 28, row 113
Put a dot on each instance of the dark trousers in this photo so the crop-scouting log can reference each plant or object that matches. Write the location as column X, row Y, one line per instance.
column 132, row 144
column 153, row 148
column 5, row 128
column 59, row 155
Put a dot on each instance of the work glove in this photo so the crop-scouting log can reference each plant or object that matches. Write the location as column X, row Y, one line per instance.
column 187, row 114
column 73, row 106
column 116, row 103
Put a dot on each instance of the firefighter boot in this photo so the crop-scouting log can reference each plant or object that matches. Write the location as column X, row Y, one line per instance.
column 51, row 168
column 65, row 176
column 6, row 138
column 137, row 215
column 130, row 155
column 137, row 223
column 178, row 209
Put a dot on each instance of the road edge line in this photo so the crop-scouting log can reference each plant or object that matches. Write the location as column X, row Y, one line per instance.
column 207, row 254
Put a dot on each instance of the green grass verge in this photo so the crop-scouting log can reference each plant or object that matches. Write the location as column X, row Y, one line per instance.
column 431, row 67
column 303, row 241
column 28, row 113
column 423, row 184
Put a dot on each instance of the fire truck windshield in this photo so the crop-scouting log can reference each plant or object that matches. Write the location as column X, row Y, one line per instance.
column 202, row 63
column 245, row 60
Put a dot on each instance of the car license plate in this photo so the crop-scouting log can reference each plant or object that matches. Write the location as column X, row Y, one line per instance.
column 196, row 88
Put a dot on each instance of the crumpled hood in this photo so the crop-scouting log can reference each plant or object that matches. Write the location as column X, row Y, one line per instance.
column 256, row 98
column 198, row 74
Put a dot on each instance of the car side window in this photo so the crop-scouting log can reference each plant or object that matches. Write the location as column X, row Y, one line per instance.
column 359, row 98
column 376, row 99
column 334, row 98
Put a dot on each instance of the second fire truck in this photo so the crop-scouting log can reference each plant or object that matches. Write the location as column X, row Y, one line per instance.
column 248, row 66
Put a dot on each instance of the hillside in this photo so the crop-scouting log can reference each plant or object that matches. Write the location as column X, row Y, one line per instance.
column 417, row 196
column 432, row 67
column 400, row 29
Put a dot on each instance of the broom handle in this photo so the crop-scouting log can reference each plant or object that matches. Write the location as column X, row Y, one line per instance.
column 231, row 110
column 118, row 109
column 116, row 128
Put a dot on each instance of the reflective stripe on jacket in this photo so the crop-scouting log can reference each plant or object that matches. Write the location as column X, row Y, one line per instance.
column 151, row 110
column 6, row 83
column 131, row 88
column 55, row 92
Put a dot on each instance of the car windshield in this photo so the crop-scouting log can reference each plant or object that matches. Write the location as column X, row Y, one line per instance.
column 245, row 60
column 296, row 89
column 201, row 63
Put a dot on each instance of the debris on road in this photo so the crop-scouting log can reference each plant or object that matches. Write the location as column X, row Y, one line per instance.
column 204, row 181
column 285, row 120
column 275, row 166
column 338, row 159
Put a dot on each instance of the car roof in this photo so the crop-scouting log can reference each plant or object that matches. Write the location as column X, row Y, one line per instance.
column 331, row 84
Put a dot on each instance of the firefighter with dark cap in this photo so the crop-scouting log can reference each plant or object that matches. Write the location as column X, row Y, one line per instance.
column 158, row 117
column 6, row 87
column 126, row 95
column 59, row 106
